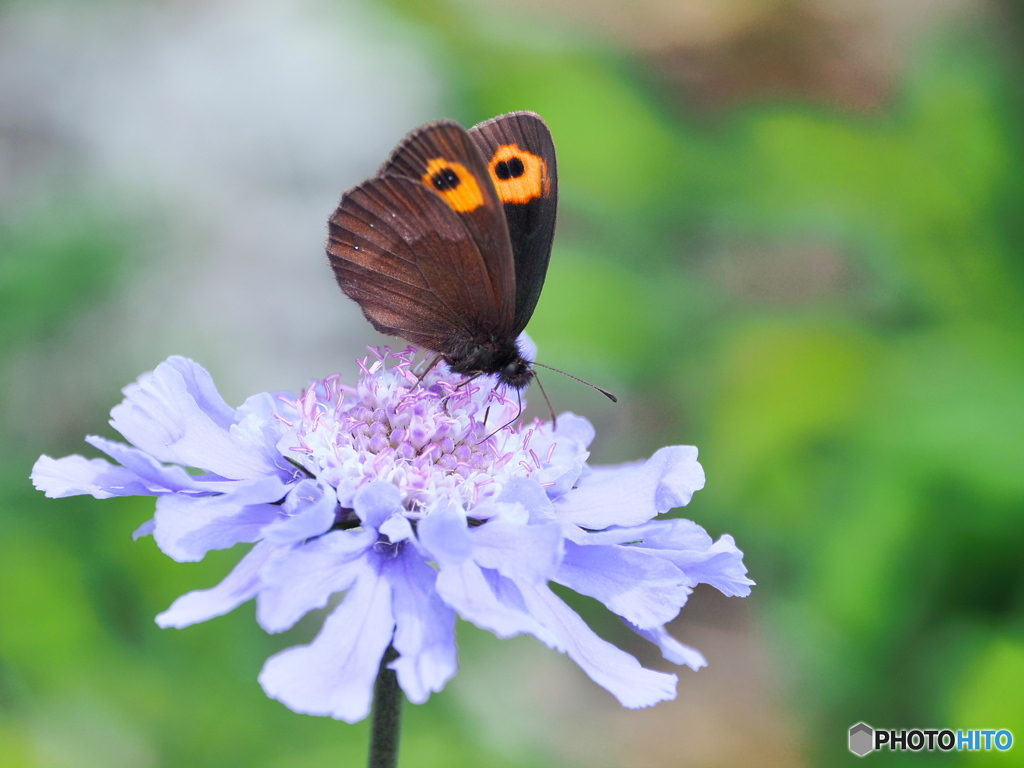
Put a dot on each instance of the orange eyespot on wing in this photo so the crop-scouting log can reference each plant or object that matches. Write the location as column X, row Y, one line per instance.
column 519, row 176
column 454, row 183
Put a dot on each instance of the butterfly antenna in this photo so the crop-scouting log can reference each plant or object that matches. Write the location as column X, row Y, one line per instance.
column 551, row 408
column 604, row 392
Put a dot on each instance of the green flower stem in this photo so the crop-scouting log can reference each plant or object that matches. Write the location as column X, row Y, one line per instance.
column 386, row 715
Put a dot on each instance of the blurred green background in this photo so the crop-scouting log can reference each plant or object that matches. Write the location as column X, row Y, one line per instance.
column 790, row 234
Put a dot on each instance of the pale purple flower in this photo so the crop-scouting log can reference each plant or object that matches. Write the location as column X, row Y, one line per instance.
column 412, row 500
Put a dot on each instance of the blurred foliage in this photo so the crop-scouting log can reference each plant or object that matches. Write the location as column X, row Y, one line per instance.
column 57, row 261
column 862, row 432
column 865, row 444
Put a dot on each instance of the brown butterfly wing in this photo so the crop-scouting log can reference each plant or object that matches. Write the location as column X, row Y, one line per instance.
column 406, row 257
column 444, row 159
column 521, row 164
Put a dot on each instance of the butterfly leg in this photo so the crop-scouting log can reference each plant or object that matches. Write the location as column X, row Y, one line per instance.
column 519, row 397
column 434, row 361
column 462, row 383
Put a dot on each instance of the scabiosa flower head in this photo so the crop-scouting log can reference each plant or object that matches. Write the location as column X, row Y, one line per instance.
column 420, row 501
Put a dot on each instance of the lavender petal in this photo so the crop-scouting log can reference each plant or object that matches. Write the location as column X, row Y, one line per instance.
column 633, row 496
column 376, row 502
column 175, row 415
column 78, row 476
column 671, row 648
column 611, row 668
column 308, row 510
column 240, row 585
column 639, row 586
column 491, row 602
column 334, row 675
column 424, row 627
column 300, row 579
column 189, row 527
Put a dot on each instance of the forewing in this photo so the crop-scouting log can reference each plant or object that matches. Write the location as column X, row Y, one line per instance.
column 407, row 259
column 443, row 158
column 520, row 157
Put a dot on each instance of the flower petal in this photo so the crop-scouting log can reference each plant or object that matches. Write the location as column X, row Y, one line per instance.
column 571, row 437
column 301, row 579
column 188, row 527
column 139, row 475
column 334, row 675
column 593, row 474
column 491, row 601
column 396, row 528
column 157, row 476
column 486, row 598
column 641, row 587
column 175, row 415
column 671, row 648
column 257, row 428
column 565, row 453
column 376, row 502
column 77, row 475
column 688, row 546
column 530, row 495
column 610, row 667
column 424, row 626
column 444, row 534
column 573, row 434
column 527, row 347
column 678, row 535
column 308, row 510
column 240, row 585
column 633, row 496
column 521, row 552
column 560, row 479
column 720, row 565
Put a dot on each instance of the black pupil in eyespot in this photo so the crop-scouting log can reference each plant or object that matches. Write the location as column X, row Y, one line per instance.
column 512, row 168
column 446, row 179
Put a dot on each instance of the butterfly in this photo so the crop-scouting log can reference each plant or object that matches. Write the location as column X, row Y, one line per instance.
column 448, row 245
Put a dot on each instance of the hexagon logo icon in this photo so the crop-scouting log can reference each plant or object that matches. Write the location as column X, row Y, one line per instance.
column 862, row 738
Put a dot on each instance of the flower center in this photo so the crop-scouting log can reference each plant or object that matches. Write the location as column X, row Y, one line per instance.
column 431, row 438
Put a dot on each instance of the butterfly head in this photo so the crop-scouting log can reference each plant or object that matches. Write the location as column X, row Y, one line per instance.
column 516, row 373
column 506, row 361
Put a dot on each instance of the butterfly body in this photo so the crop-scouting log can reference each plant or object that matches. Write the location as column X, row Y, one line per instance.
column 497, row 356
column 448, row 245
